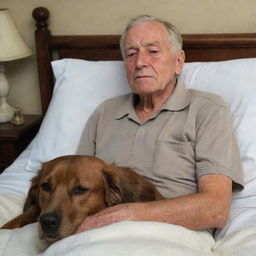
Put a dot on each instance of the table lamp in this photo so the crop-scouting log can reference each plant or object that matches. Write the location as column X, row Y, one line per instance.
column 12, row 47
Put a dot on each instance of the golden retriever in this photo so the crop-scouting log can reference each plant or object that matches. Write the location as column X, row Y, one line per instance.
column 68, row 189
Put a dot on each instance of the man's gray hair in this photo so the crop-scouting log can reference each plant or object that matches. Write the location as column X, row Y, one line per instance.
column 175, row 38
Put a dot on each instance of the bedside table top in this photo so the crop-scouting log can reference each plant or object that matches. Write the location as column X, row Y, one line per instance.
column 8, row 130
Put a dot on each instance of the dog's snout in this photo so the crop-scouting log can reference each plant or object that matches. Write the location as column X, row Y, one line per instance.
column 50, row 222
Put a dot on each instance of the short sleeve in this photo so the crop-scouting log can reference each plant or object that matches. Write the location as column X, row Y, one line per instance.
column 216, row 148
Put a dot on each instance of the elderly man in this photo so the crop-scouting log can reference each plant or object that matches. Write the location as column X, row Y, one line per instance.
column 180, row 139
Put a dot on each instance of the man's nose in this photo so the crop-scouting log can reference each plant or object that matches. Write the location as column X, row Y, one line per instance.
column 141, row 60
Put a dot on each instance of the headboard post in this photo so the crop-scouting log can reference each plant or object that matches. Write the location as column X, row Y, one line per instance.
column 42, row 40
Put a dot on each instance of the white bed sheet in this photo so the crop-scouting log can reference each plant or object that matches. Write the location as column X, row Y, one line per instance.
column 15, row 180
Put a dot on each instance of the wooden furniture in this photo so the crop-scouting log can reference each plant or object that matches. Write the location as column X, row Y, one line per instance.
column 206, row 47
column 14, row 139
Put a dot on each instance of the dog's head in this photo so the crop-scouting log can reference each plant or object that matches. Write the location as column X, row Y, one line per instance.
column 70, row 188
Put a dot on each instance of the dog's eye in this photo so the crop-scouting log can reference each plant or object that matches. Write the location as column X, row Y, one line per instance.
column 46, row 186
column 79, row 190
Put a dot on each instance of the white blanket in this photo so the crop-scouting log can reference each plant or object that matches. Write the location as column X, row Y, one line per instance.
column 124, row 238
column 129, row 238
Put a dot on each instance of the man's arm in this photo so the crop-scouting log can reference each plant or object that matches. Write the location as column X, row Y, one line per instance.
column 209, row 208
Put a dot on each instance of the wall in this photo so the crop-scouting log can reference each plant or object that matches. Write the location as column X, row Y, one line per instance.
column 109, row 17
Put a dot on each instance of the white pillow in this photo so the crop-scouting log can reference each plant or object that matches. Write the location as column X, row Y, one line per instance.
column 80, row 87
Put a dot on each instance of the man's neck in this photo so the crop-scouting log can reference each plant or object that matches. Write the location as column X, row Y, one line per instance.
column 149, row 104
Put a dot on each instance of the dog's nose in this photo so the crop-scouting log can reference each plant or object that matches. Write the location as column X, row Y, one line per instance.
column 50, row 222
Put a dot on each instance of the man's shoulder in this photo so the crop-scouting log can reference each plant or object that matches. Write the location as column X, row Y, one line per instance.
column 206, row 97
column 117, row 99
column 114, row 103
column 109, row 107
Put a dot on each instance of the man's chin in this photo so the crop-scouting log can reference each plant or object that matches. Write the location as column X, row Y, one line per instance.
column 144, row 89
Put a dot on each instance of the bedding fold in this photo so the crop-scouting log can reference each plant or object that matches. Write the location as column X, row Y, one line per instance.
column 129, row 238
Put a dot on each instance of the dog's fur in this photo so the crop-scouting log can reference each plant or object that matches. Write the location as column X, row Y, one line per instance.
column 69, row 188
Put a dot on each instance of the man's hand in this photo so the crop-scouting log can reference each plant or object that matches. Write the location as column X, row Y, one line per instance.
column 107, row 216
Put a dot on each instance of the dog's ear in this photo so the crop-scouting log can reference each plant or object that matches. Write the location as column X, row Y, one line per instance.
column 121, row 185
column 113, row 194
column 33, row 193
column 31, row 209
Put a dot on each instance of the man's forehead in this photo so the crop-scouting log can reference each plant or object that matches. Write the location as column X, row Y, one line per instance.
column 146, row 34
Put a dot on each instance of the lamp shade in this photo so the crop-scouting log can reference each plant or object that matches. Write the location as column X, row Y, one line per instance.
column 11, row 44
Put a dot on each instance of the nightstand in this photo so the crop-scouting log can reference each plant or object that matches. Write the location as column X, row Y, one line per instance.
column 14, row 139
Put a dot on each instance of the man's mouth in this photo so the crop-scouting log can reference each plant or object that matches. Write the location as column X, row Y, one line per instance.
column 142, row 77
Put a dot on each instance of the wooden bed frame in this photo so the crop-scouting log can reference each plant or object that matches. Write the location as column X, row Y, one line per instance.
column 200, row 47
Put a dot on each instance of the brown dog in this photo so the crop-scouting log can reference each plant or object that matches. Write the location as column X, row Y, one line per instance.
column 69, row 188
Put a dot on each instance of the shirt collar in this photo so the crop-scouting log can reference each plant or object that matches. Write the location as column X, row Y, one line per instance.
column 127, row 106
column 177, row 101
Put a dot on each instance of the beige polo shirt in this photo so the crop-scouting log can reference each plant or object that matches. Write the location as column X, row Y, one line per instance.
column 190, row 136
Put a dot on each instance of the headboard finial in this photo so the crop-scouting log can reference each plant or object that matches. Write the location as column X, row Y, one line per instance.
column 41, row 15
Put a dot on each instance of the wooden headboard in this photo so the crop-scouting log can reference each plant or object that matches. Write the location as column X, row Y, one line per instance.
column 199, row 47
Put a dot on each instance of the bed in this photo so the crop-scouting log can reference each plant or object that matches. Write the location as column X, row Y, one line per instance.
column 76, row 73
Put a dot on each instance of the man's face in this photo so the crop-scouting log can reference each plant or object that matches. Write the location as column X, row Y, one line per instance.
column 150, row 61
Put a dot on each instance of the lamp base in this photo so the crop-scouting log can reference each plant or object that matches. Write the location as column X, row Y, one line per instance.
column 6, row 111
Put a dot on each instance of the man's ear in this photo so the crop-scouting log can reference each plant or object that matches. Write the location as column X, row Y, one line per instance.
column 180, row 60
